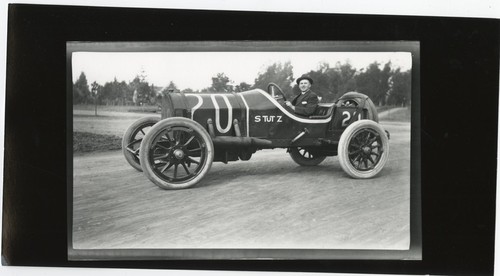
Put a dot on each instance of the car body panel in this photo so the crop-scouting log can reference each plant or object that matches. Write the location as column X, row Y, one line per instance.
column 260, row 115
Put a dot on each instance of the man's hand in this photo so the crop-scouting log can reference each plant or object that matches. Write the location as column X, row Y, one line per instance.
column 289, row 104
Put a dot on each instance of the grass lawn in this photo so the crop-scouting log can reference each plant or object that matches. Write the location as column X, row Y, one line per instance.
column 84, row 142
column 400, row 115
column 385, row 107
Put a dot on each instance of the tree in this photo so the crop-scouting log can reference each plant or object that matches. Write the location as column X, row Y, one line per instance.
column 171, row 87
column 373, row 82
column 81, row 92
column 243, row 86
column 188, row 90
column 144, row 92
column 220, row 83
column 126, row 93
column 114, row 93
column 280, row 74
column 383, row 89
column 155, row 95
column 400, row 88
column 96, row 91
column 347, row 78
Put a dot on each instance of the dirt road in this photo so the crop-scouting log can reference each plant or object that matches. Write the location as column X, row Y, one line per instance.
column 267, row 202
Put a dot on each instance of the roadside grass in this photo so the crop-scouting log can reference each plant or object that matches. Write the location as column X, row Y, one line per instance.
column 84, row 142
column 117, row 108
column 384, row 108
column 400, row 115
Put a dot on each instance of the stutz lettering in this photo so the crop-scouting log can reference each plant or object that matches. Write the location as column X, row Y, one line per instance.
column 268, row 119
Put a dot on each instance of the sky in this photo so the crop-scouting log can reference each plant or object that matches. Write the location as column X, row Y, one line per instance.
column 195, row 69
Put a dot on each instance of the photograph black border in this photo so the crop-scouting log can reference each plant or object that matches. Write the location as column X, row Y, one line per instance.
column 459, row 106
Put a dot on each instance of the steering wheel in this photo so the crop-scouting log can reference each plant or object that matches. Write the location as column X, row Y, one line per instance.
column 275, row 91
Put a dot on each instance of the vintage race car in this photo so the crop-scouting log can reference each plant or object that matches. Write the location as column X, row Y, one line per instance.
column 177, row 150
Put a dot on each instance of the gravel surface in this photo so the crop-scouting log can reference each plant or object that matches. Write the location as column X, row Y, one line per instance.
column 267, row 202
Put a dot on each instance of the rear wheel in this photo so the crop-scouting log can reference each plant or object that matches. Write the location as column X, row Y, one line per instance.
column 304, row 157
column 363, row 149
column 131, row 141
column 176, row 153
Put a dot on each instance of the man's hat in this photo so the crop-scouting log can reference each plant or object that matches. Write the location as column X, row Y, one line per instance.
column 304, row 77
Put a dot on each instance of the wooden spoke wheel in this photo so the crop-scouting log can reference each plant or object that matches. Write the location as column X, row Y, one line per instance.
column 304, row 157
column 363, row 149
column 176, row 153
column 131, row 141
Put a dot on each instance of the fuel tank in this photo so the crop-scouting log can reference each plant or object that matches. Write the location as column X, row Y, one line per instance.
column 222, row 108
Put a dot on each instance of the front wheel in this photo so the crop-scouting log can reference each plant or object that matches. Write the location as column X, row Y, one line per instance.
column 363, row 149
column 176, row 153
column 304, row 157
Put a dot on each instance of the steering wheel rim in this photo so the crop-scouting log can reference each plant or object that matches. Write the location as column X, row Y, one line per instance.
column 271, row 92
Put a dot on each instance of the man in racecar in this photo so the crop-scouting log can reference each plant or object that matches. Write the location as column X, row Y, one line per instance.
column 306, row 102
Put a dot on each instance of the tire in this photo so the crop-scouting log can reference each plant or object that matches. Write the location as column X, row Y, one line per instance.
column 363, row 149
column 169, row 150
column 303, row 157
column 131, row 141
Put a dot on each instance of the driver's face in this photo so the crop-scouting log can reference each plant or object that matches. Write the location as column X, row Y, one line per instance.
column 304, row 85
